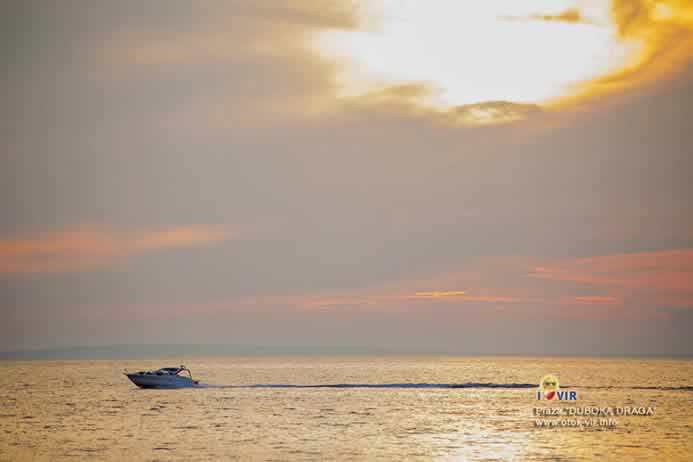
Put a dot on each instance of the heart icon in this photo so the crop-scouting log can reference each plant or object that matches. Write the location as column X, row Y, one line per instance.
column 550, row 395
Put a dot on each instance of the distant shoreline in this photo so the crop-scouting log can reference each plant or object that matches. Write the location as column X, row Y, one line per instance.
column 107, row 352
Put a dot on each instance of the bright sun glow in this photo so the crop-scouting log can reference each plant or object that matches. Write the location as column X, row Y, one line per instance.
column 472, row 52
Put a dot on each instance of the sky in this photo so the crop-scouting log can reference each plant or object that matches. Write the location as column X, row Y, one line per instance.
column 464, row 177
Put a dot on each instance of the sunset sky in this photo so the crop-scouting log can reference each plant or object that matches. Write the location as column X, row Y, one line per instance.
column 502, row 176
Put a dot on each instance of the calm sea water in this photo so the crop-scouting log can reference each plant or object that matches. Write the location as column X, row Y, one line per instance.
column 67, row 410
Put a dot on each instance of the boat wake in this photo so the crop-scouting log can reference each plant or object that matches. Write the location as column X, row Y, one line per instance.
column 434, row 385
column 637, row 387
column 378, row 385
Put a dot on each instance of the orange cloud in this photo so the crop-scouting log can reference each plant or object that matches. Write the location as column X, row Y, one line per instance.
column 395, row 299
column 642, row 283
column 665, row 270
column 662, row 29
column 88, row 248
column 596, row 300
column 436, row 294
column 626, row 285
column 571, row 16
column 618, row 286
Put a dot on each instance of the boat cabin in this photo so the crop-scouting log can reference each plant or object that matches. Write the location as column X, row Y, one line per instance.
column 167, row 371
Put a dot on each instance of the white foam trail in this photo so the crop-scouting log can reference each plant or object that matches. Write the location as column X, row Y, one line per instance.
column 377, row 385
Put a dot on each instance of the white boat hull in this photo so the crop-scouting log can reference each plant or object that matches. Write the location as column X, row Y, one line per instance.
column 160, row 381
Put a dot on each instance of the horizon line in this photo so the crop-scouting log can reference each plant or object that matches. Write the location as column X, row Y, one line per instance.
column 156, row 350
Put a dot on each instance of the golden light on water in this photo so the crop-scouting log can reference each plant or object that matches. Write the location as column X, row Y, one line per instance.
column 529, row 52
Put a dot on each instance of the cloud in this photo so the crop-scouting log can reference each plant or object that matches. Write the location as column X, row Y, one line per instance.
column 403, row 93
column 662, row 30
column 571, row 16
column 439, row 294
column 86, row 248
column 494, row 112
column 236, row 64
column 629, row 285
column 398, row 300
column 405, row 99
column 670, row 270
column 596, row 300
column 234, row 35
column 494, row 288
column 647, row 283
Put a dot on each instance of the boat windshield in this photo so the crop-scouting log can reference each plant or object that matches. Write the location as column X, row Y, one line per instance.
column 173, row 371
column 170, row 370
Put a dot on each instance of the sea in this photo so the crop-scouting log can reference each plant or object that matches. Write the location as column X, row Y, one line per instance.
column 411, row 408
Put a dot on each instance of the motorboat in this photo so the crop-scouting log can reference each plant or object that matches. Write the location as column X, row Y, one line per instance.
column 166, row 377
